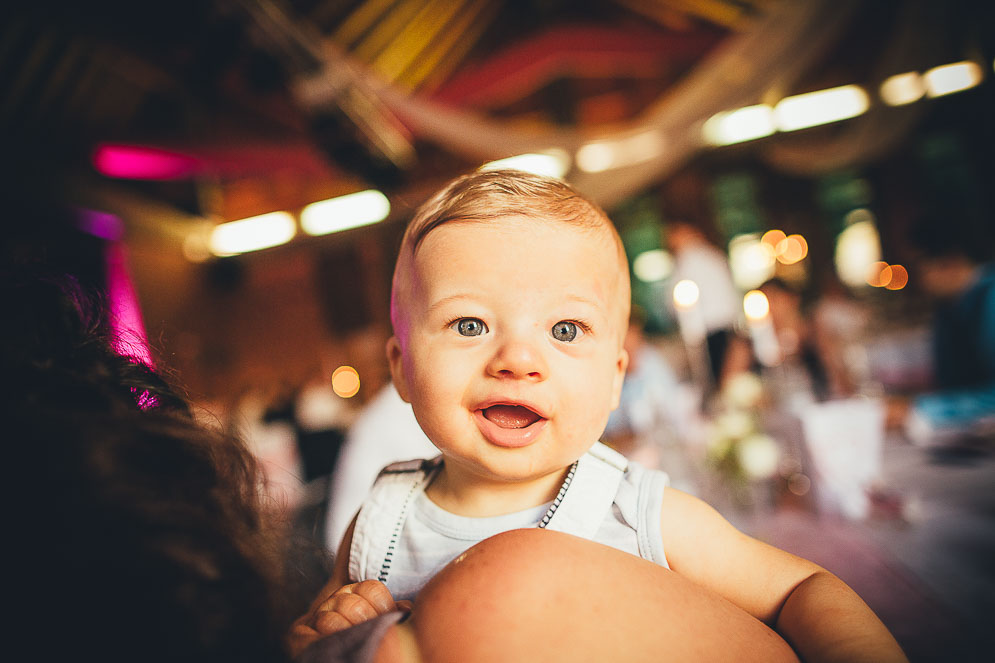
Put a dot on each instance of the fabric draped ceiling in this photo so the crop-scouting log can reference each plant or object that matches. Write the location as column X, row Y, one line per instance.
column 761, row 64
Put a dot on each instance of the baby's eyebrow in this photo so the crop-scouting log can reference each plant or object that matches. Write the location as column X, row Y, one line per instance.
column 589, row 301
column 461, row 297
column 447, row 300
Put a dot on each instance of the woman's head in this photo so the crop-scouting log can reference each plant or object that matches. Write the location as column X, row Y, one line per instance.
column 138, row 531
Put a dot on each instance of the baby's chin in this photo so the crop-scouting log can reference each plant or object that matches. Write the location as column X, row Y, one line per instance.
column 520, row 465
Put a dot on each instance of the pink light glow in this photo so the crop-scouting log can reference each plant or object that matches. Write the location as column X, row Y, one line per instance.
column 125, row 314
column 100, row 224
column 138, row 162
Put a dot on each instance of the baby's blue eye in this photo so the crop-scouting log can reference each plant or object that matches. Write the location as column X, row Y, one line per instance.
column 469, row 327
column 565, row 331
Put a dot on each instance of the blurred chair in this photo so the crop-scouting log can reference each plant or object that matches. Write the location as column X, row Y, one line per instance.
column 844, row 440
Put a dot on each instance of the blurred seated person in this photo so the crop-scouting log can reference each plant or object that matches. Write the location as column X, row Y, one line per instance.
column 955, row 269
column 649, row 399
column 815, row 352
column 840, row 323
column 804, row 341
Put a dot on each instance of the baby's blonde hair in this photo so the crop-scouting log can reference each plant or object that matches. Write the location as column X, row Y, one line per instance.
column 481, row 196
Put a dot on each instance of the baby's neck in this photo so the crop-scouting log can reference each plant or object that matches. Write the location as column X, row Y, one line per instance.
column 466, row 495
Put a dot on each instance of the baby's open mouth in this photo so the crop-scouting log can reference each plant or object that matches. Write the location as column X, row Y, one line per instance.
column 511, row 416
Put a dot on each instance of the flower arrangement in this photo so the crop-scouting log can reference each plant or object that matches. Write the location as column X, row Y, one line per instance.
column 736, row 445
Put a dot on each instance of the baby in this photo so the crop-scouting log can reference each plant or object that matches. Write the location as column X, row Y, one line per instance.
column 509, row 305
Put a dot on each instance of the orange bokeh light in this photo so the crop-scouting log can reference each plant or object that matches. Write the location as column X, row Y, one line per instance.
column 880, row 275
column 791, row 249
column 773, row 237
column 899, row 278
column 345, row 381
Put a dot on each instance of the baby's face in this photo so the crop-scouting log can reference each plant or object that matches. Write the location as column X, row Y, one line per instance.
column 510, row 350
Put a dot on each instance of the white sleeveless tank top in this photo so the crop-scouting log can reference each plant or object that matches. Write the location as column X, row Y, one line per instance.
column 403, row 539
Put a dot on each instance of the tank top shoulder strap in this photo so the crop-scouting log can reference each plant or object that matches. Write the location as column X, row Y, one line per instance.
column 649, row 501
column 588, row 499
column 382, row 516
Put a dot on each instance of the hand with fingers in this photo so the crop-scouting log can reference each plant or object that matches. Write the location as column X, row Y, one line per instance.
column 339, row 609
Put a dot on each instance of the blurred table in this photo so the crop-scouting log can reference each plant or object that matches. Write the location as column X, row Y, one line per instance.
column 924, row 559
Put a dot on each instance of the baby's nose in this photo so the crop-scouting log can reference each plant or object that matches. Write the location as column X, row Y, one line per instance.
column 519, row 359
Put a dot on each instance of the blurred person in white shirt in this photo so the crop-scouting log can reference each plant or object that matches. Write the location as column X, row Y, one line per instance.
column 385, row 432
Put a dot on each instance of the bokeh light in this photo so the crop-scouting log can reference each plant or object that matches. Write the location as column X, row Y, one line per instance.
column 751, row 261
column 758, row 456
column 139, row 162
column 755, row 305
column 349, row 211
column 552, row 163
column 791, row 249
column 740, row 125
column 345, row 381
column 197, row 243
column 899, row 278
column 773, row 237
column 902, row 89
column 652, row 266
column 950, row 78
column 879, row 275
column 799, row 484
column 601, row 155
column 821, row 107
column 100, row 224
column 685, row 294
column 858, row 247
column 125, row 310
column 595, row 157
column 252, row 234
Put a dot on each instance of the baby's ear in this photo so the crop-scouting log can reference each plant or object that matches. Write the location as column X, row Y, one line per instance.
column 394, row 358
column 620, row 365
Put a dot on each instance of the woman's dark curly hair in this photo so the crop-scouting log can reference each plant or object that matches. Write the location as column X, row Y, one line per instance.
column 56, row 336
column 139, row 533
